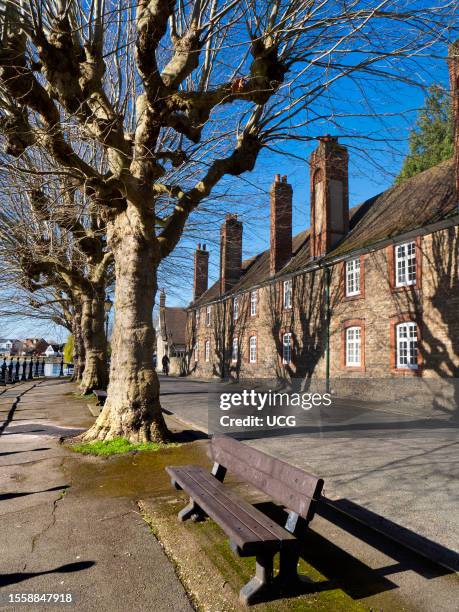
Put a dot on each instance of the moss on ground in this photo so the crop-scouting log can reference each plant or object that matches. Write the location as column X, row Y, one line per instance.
column 116, row 446
column 213, row 575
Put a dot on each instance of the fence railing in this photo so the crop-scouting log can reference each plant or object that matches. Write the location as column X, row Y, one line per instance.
column 20, row 370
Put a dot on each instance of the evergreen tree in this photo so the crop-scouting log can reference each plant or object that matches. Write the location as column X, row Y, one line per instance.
column 431, row 140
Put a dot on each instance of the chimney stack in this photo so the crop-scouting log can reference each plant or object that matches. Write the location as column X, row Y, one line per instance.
column 281, row 224
column 162, row 298
column 201, row 271
column 453, row 65
column 329, row 195
column 230, row 252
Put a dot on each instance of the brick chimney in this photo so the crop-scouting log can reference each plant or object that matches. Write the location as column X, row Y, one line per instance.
column 453, row 64
column 230, row 252
column 201, row 271
column 329, row 195
column 281, row 224
column 162, row 298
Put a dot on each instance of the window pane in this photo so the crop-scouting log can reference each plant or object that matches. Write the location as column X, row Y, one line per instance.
column 407, row 345
column 253, row 303
column 234, row 354
column 353, row 346
column 287, row 348
column 353, row 277
column 405, row 264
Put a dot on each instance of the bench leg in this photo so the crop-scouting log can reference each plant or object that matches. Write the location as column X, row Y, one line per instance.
column 191, row 511
column 288, row 567
column 263, row 577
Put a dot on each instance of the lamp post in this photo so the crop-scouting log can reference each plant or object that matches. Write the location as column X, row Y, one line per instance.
column 107, row 306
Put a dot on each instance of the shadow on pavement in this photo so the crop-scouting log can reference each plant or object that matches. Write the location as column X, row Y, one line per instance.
column 343, row 570
column 31, row 450
column 7, row 579
column 5, row 496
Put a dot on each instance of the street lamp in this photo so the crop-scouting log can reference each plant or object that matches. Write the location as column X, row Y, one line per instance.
column 107, row 306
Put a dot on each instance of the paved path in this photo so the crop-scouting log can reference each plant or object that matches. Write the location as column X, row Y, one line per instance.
column 398, row 465
column 58, row 535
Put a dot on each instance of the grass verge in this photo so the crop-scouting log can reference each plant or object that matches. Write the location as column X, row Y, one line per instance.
column 116, row 446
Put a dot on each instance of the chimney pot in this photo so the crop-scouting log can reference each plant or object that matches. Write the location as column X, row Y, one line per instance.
column 277, row 179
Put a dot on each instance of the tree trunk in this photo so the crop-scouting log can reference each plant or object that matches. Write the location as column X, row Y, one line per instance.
column 78, row 346
column 95, row 375
column 132, row 409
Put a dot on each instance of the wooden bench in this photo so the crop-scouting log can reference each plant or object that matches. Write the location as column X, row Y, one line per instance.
column 101, row 396
column 250, row 531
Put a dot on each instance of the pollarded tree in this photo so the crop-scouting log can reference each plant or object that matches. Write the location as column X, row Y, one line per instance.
column 49, row 239
column 176, row 96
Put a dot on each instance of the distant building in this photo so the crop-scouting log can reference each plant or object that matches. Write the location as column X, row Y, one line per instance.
column 54, row 350
column 170, row 336
column 34, row 346
column 10, row 346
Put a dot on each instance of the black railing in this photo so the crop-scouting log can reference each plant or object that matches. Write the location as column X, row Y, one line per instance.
column 19, row 369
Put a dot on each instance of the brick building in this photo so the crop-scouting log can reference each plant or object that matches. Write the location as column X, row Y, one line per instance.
column 371, row 291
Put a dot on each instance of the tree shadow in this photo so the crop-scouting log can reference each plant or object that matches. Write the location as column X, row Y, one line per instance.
column 31, row 450
column 14, row 578
column 6, row 496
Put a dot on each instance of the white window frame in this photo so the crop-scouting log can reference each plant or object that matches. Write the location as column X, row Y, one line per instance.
column 353, row 346
column 198, row 316
column 236, row 308
column 208, row 315
column 207, row 351
column 196, row 351
column 235, row 350
column 253, row 349
column 288, row 289
column 253, row 303
column 405, row 264
column 353, row 277
column 406, row 345
column 287, row 348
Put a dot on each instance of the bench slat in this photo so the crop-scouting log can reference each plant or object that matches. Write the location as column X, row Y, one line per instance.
column 248, row 528
column 250, row 514
column 284, row 483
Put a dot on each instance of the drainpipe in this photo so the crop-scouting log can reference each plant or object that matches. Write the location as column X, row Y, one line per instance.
column 327, row 329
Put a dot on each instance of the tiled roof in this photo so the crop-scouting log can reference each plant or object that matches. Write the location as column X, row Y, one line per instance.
column 173, row 324
column 424, row 199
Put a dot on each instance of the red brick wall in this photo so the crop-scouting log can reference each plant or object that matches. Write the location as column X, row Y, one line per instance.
column 433, row 303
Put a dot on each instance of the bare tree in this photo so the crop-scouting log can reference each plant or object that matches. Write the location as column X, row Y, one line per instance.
column 51, row 241
column 174, row 97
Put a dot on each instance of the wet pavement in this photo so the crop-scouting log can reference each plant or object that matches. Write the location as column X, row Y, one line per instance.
column 71, row 524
